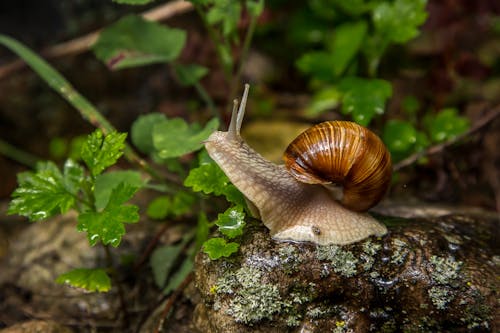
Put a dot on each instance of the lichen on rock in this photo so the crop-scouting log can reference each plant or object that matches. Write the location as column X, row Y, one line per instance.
column 417, row 278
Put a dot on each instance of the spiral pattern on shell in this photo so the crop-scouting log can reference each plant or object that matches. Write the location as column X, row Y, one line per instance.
column 344, row 153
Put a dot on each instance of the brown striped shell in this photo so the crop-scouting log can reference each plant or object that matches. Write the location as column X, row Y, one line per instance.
column 343, row 153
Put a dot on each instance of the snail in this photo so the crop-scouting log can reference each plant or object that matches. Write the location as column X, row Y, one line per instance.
column 295, row 201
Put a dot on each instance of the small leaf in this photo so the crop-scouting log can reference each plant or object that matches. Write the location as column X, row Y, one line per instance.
column 142, row 131
column 231, row 222
column 89, row 279
column 255, row 7
column 190, row 74
column 100, row 152
column 345, row 43
column 319, row 64
column 108, row 225
column 364, row 98
column 225, row 13
column 399, row 136
column 207, row 178
column 134, row 41
column 446, row 125
column 46, row 192
column 324, row 100
column 175, row 137
column 399, row 21
column 163, row 206
column 162, row 260
column 218, row 247
column 106, row 182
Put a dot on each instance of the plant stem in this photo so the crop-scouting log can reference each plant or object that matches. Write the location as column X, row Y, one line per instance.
column 18, row 155
column 208, row 100
column 62, row 86
column 235, row 83
column 121, row 294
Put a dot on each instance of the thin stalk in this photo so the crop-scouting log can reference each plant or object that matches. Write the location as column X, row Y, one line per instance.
column 121, row 294
column 244, row 54
column 18, row 155
column 62, row 86
column 227, row 69
column 207, row 99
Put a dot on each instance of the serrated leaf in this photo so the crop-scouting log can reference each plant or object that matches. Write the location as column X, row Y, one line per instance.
column 218, row 247
column 231, row 222
column 106, row 182
column 99, row 151
column 399, row 21
column 108, row 224
column 134, row 41
column 364, row 98
column 133, row 2
column 162, row 260
column 142, row 131
column 175, row 137
column 190, row 74
column 345, row 44
column 46, row 192
column 89, row 279
column 207, row 178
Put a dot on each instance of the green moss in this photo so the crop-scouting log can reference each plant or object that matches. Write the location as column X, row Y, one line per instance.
column 342, row 262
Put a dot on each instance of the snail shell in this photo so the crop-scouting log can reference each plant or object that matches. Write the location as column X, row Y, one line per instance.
column 343, row 153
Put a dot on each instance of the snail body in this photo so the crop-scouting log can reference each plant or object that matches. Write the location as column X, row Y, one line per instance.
column 291, row 199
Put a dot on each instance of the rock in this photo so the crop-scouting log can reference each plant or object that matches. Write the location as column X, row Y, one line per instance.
column 426, row 275
column 37, row 326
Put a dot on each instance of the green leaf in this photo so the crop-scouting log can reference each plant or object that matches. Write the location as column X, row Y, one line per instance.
column 134, row 41
column 106, row 182
column 190, row 74
column 162, row 260
column 345, row 44
column 163, row 206
column 446, row 125
column 324, row 100
column 175, row 137
column 133, row 2
column 225, row 13
column 398, row 21
column 108, row 224
column 231, row 222
column 179, row 276
column 46, row 192
column 218, row 247
column 207, row 178
column 364, row 98
column 89, row 279
column 142, row 131
column 255, row 7
column 100, row 152
column 202, row 229
column 319, row 64
column 399, row 136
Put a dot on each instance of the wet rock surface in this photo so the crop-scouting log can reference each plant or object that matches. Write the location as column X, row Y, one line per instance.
column 426, row 275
